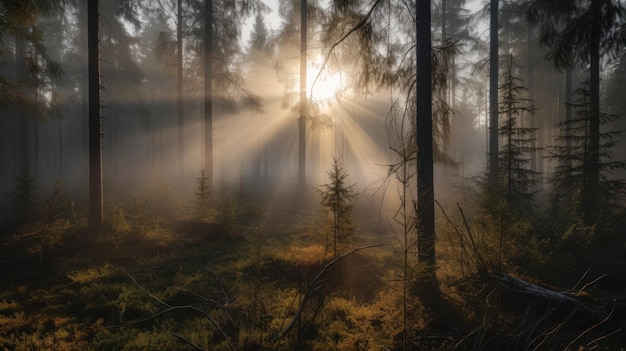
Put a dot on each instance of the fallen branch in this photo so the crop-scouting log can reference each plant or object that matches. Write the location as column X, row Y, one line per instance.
column 171, row 308
column 312, row 287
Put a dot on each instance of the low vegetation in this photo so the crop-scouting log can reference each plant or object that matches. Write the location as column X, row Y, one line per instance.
column 249, row 278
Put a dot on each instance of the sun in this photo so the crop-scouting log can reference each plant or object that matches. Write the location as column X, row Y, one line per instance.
column 327, row 85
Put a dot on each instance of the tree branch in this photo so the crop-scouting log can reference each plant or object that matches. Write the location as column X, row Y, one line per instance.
column 312, row 287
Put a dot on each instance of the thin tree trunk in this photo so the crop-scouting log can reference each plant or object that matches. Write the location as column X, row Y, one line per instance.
column 493, row 92
column 179, row 101
column 424, row 133
column 208, row 92
column 531, row 91
column 568, row 117
column 95, row 150
column 23, row 140
column 590, row 194
column 303, row 101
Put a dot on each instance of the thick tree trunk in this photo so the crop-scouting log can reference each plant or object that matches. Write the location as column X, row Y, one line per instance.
column 424, row 133
column 493, row 92
column 95, row 150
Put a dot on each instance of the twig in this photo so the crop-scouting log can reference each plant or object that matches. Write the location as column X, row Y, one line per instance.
column 187, row 341
column 592, row 282
column 312, row 288
column 173, row 308
column 590, row 329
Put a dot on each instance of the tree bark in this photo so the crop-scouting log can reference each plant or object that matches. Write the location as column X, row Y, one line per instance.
column 208, row 92
column 568, row 116
column 95, row 150
column 424, row 133
column 179, row 101
column 590, row 190
column 303, row 100
column 493, row 92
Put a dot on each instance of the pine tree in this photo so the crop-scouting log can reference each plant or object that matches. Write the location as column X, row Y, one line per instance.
column 95, row 131
column 493, row 90
column 21, row 200
column 571, row 180
column 582, row 32
column 337, row 201
column 514, row 156
column 203, row 193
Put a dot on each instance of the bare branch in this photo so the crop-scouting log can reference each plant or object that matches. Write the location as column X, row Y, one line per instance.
column 313, row 286
column 341, row 40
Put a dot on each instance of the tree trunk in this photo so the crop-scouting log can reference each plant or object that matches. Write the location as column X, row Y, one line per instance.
column 568, row 117
column 23, row 147
column 493, row 93
column 95, row 150
column 531, row 91
column 208, row 93
column 303, row 101
column 424, row 133
column 179, row 101
column 590, row 191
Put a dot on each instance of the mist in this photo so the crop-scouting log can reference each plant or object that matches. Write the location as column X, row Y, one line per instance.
column 263, row 175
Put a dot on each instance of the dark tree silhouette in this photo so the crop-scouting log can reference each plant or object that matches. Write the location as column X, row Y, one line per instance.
column 493, row 90
column 571, row 176
column 514, row 155
column 95, row 142
column 303, row 100
column 208, row 92
column 424, row 133
column 583, row 32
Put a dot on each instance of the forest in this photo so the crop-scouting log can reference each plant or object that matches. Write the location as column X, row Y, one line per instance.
column 312, row 175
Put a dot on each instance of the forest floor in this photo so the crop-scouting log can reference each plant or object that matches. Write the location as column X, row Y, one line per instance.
column 250, row 281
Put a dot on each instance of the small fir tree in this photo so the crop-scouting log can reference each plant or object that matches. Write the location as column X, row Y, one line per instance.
column 202, row 194
column 21, row 201
column 337, row 201
column 514, row 156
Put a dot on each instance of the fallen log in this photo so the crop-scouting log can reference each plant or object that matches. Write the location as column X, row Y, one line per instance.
column 567, row 302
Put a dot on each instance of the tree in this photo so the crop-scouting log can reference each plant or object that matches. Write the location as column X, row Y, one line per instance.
column 96, row 213
column 208, row 92
column 298, row 16
column 583, row 32
column 337, row 200
column 424, row 134
column 179, row 88
column 303, row 99
column 513, row 160
column 217, row 49
column 202, row 194
column 493, row 91
column 27, row 75
column 570, row 179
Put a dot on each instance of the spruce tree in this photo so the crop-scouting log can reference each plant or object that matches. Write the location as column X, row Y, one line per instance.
column 514, row 156
column 571, row 181
column 337, row 201
column 203, row 193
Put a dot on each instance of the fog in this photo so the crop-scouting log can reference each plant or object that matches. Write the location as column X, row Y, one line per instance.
column 255, row 119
